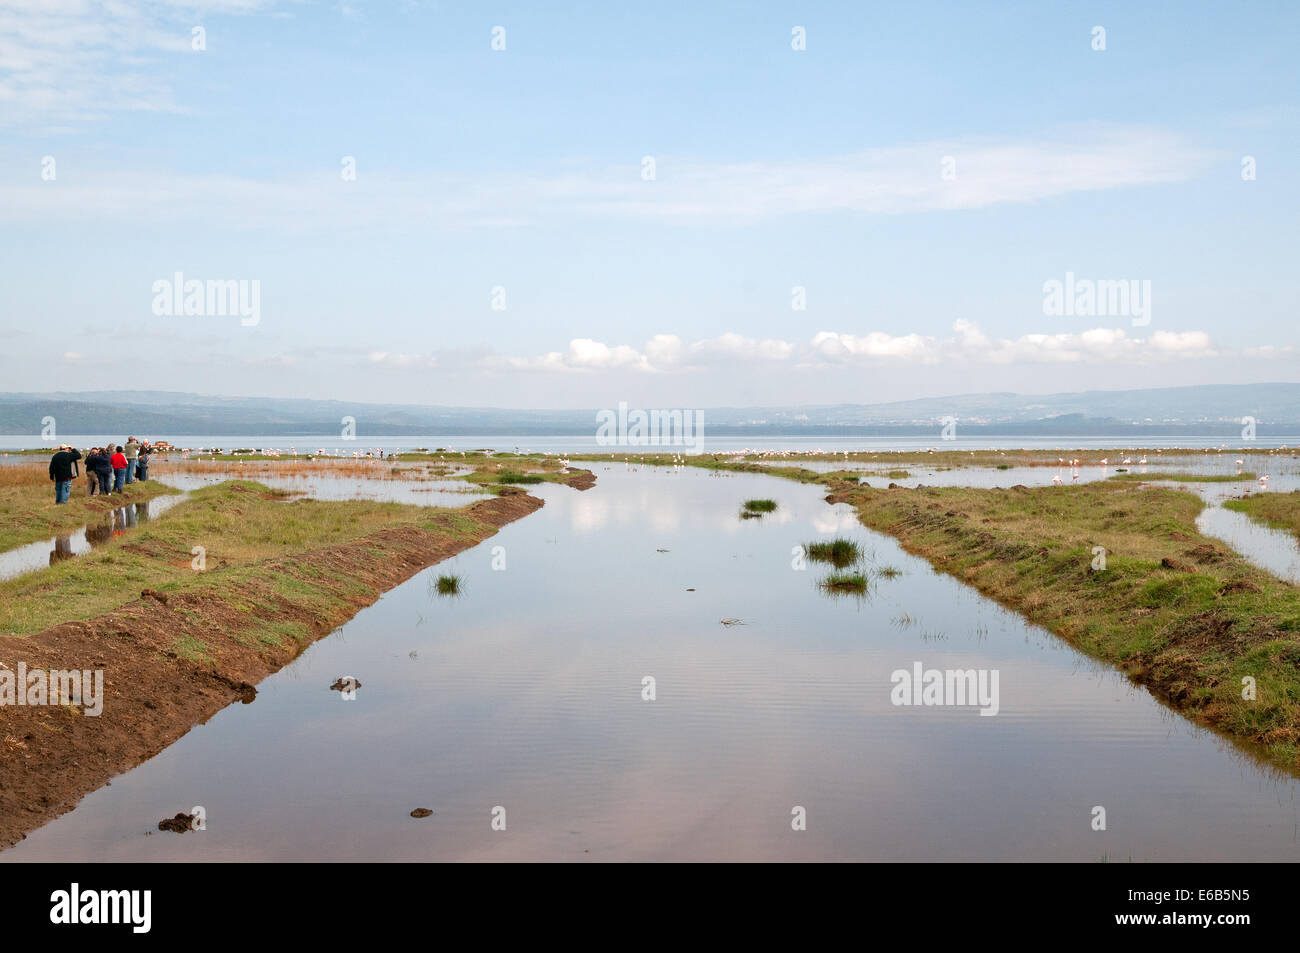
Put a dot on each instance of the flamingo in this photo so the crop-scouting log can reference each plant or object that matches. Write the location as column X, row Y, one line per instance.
column 1057, row 479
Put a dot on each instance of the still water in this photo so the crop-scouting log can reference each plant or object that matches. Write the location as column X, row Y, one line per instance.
column 525, row 692
column 113, row 525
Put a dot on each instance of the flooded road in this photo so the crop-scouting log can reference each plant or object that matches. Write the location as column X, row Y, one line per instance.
column 526, row 693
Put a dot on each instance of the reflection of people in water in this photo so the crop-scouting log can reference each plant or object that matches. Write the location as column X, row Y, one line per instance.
column 62, row 549
column 100, row 533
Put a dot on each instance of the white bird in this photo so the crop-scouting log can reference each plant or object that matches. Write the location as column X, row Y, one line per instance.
column 1056, row 479
column 1103, row 461
column 1239, row 462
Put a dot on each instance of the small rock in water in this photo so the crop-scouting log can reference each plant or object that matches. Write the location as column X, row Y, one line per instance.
column 345, row 684
column 421, row 812
column 180, row 823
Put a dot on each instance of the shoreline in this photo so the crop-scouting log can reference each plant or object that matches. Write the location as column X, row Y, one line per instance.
column 154, row 694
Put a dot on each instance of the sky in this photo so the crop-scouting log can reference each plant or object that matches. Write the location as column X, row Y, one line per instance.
column 569, row 205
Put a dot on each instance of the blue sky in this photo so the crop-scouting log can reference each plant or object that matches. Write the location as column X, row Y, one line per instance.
column 522, row 169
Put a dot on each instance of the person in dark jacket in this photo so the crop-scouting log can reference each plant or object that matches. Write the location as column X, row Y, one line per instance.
column 63, row 467
column 98, row 464
column 92, row 481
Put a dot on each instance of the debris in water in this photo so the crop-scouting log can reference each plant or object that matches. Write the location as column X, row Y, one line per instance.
column 345, row 684
column 421, row 812
column 731, row 622
column 180, row 823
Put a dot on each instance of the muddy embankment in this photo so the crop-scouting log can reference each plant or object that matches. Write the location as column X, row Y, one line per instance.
column 52, row 756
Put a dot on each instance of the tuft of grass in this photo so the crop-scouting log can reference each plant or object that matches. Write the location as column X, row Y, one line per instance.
column 889, row 572
column 753, row 508
column 838, row 552
column 448, row 584
column 846, row 582
column 510, row 476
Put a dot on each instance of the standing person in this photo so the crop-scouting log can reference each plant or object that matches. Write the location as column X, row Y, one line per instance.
column 103, row 469
column 118, row 463
column 92, row 478
column 63, row 467
column 132, row 453
column 142, row 463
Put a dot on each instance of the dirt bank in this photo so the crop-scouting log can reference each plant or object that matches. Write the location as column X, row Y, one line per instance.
column 51, row 757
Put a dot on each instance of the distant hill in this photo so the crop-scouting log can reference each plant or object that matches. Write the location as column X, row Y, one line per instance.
column 1209, row 409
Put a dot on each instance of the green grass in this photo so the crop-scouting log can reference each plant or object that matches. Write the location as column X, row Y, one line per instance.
column 758, row 507
column 846, row 582
column 508, row 476
column 1278, row 510
column 28, row 512
column 447, row 585
column 838, row 552
column 1178, row 477
column 1180, row 612
column 251, row 537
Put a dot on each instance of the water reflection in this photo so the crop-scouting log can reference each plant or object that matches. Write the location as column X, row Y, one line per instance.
column 114, row 523
column 526, row 693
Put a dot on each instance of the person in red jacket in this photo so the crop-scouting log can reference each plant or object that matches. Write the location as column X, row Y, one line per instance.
column 118, row 460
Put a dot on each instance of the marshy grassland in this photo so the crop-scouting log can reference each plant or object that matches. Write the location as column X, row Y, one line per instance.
column 241, row 526
column 1178, row 477
column 28, row 512
column 187, row 612
column 1178, row 611
column 1278, row 510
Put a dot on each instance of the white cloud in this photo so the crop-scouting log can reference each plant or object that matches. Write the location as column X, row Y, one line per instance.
column 895, row 180
column 969, row 344
column 75, row 60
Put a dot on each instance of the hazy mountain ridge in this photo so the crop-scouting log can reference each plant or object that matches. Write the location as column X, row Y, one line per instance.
column 1208, row 409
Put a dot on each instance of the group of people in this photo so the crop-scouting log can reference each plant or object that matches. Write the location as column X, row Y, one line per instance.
column 108, row 468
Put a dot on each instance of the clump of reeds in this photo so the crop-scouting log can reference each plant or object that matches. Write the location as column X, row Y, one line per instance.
column 755, row 508
column 838, row 552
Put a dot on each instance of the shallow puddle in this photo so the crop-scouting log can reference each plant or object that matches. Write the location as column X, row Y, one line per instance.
column 114, row 524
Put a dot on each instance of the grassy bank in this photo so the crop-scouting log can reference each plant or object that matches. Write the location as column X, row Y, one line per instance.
column 1178, row 611
column 1279, row 510
column 177, row 644
column 239, row 525
column 1185, row 477
column 28, row 511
